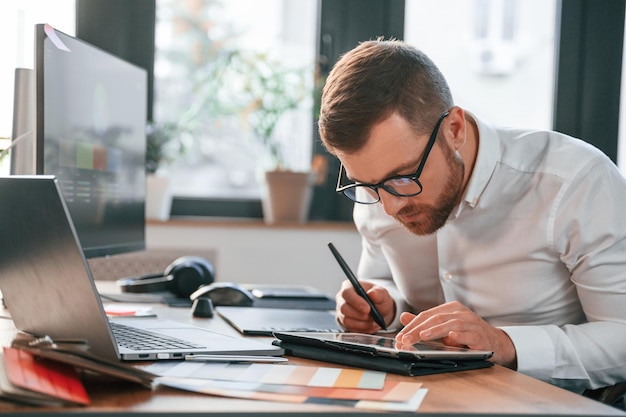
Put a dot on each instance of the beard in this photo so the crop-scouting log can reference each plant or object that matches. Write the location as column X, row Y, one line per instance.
column 434, row 217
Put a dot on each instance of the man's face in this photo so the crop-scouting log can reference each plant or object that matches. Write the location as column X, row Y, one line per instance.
column 394, row 149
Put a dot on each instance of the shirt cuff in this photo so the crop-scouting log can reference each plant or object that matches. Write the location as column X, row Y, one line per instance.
column 396, row 325
column 401, row 305
column 534, row 349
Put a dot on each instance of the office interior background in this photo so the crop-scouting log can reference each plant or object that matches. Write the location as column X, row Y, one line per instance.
column 544, row 64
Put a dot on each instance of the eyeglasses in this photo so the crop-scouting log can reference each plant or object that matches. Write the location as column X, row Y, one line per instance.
column 398, row 185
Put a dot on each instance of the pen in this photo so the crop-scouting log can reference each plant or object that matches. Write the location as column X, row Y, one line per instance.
column 234, row 358
column 378, row 318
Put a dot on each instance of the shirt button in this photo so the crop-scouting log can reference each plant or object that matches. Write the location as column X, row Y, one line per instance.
column 447, row 276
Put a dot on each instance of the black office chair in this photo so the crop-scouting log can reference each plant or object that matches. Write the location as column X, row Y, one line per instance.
column 615, row 395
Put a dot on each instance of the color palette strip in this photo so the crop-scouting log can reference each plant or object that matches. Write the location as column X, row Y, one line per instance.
column 394, row 396
column 309, row 376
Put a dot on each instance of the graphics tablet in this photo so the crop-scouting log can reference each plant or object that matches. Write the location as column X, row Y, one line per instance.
column 255, row 321
column 382, row 346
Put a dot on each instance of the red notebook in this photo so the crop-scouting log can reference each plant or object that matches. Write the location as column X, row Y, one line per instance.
column 47, row 377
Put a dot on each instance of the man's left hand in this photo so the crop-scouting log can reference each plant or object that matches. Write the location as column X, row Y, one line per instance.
column 456, row 325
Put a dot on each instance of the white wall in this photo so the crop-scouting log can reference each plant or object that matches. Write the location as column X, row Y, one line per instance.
column 257, row 253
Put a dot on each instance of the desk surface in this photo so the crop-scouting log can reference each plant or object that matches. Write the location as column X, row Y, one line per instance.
column 495, row 390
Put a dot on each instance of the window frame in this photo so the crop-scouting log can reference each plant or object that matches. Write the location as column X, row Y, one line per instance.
column 589, row 71
column 586, row 101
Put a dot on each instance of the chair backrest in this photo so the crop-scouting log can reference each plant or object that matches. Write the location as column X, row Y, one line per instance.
column 614, row 395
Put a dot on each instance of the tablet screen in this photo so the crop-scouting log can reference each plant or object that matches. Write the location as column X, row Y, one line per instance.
column 387, row 346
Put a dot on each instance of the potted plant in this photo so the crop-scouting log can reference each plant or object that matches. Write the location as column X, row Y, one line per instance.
column 162, row 142
column 261, row 92
column 252, row 86
column 273, row 92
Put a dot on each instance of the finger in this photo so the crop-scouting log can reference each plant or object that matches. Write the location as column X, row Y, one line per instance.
column 425, row 328
column 406, row 318
column 383, row 302
column 380, row 297
column 459, row 328
column 355, row 318
column 472, row 336
column 453, row 339
column 353, row 311
column 360, row 326
column 378, row 294
column 348, row 302
column 356, row 321
column 446, row 308
column 431, row 317
column 413, row 324
column 349, row 309
column 356, row 301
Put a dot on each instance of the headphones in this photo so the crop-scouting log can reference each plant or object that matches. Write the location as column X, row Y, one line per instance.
column 182, row 277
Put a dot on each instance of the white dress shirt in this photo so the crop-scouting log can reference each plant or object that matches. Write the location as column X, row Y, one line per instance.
column 537, row 248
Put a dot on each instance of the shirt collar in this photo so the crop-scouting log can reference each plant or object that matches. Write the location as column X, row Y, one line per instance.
column 486, row 160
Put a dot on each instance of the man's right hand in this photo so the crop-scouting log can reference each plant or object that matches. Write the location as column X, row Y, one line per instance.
column 353, row 312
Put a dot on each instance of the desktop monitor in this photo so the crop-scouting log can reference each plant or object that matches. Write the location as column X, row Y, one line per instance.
column 89, row 131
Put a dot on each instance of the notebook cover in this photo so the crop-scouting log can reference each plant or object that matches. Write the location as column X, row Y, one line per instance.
column 80, row 357
column 50, row 378
column 11, row 392
column 378, row 363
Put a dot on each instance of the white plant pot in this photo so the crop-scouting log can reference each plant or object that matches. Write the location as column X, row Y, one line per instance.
column 158, row 197
column 287, row 196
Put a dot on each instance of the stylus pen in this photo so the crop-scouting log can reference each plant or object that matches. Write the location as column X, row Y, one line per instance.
column 378, row 318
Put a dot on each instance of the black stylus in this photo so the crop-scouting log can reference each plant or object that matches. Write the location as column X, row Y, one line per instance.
column 378, row 318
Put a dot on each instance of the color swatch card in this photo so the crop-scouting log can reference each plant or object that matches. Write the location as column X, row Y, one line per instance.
column 308, row 376
column 355, row 388
column 50, row 378
column 394, row 396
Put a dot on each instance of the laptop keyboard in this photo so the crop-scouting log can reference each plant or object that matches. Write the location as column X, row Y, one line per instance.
column 138, row 339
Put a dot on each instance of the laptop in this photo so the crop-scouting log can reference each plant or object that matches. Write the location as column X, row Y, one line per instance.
column 49, row 290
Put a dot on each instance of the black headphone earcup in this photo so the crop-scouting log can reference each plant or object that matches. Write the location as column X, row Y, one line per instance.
column 182, row 277
column 189, row 273
column 146, row 283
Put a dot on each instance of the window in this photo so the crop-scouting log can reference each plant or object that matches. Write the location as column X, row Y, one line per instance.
column 491, row 51
column 17, row 23
column 195, row 41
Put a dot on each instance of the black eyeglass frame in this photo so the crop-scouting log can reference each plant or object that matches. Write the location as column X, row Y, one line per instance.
column 413, row 177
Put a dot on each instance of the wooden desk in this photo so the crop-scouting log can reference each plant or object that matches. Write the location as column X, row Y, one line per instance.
column 495, row 390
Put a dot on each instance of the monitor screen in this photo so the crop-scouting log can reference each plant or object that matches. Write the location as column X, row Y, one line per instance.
column 90, row 116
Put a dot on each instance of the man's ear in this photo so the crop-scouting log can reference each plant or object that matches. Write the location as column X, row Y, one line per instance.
column 455, row 128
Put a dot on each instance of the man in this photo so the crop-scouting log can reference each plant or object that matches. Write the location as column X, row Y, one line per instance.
column 498, row 239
